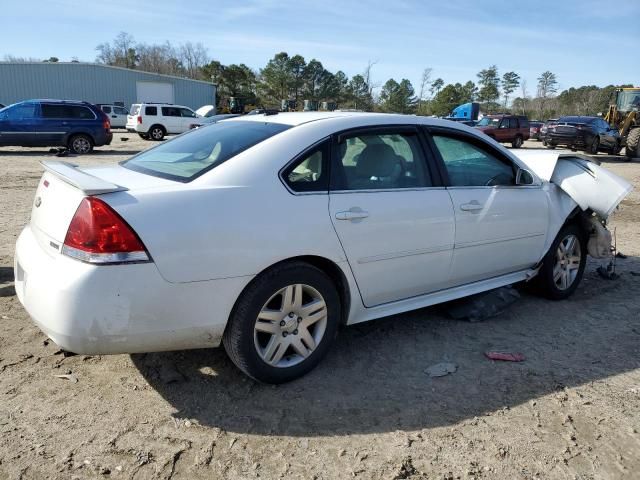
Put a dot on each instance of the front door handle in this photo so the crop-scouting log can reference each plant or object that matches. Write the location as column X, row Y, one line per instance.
column 352, row 214
column 472, row 206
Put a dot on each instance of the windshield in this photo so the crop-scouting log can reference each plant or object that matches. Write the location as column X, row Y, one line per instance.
column 488, row 122
column 192, row 154
column 629, row 100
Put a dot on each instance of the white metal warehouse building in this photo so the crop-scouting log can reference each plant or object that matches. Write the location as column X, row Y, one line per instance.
column 97, row 83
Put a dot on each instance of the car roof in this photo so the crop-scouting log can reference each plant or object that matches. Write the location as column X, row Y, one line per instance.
column 298, row 118
column 577, row 118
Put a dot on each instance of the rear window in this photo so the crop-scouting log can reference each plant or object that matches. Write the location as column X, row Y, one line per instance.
column 192, row 154
column 135, row 109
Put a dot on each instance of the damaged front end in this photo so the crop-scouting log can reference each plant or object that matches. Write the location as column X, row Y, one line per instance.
column 595, row 191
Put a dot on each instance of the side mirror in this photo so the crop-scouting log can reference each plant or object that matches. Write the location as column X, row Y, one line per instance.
column 524, row 177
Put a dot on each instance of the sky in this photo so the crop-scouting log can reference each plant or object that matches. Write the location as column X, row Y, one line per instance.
column 587, row 42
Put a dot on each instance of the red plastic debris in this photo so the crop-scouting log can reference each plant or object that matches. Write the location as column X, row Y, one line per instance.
column 505, row 356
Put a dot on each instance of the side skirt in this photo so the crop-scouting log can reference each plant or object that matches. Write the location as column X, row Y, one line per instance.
column 364, row 314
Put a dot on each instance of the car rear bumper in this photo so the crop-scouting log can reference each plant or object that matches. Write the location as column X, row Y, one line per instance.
column 90, row 309
column 576, row 141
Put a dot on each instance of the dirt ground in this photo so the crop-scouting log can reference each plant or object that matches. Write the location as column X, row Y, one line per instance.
column 571, row 410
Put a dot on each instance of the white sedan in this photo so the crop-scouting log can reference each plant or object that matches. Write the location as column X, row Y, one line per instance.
column 267, row 233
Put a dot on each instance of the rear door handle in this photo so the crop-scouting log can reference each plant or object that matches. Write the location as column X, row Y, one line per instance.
column 472, row 206
column 352, row 214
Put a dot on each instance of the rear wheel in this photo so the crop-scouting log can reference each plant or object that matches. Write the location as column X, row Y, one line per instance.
column 517, row 142
column 80, row 144
column 283, row 323
column 156, row 133
column 550, row 146
column 633, row 143
column 563, row 266
column 595, row 144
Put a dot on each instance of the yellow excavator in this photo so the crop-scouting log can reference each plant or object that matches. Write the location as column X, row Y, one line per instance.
column 625, row 116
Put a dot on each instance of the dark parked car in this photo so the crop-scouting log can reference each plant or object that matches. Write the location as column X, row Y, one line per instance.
column 79, row 126
column 545, row 127
column 512, row 129
column 591, row 134
column 534, row 130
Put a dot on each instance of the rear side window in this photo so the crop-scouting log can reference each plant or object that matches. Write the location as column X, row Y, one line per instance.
column 469, row 165
column 77, row 112
column 170, row 112
column 309, row 173
column 119, row 111
column 380, row 162
column 153, row 111
column 524, row 122
column 190, row 155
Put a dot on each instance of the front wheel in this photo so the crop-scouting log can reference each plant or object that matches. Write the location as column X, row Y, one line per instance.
column 80, row 144
column 563, row 266
column 595, row 145
column 284, row 323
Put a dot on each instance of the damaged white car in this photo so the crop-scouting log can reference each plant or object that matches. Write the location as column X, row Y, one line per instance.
column 267, row 233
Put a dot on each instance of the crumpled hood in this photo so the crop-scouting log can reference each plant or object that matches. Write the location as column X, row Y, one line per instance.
column 589, row 185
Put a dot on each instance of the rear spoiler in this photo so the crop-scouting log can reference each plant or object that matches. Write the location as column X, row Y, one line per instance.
column 69, row 173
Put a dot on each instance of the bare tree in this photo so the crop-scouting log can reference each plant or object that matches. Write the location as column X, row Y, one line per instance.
column 523, row 91
column 425, row 83
column 193, row 58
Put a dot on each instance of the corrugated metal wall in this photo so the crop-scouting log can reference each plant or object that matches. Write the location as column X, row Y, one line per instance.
column 93, row 83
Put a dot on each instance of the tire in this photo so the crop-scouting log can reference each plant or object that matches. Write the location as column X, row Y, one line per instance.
column 595, row 144
column 144, row 136
column 517, row 142
column 633, row 143
column 264, row 336
column 80, row 144
column 551, row 146
column 157, row 133
column 615, row 150
column 559, row 276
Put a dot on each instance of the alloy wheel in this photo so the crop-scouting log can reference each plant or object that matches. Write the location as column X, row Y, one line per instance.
column 81, row 145
column 157, row 133
column 290, row 325
column 568, row 257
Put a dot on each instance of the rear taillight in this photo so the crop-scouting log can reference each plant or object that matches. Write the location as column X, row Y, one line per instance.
column 139, row 120
column 106, row 123
column 97, row 234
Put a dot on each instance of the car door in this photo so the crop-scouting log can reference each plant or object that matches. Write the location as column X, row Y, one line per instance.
column 187, row 118
column 500, row 226
column 18, row 124
column 394, row 221
column 171, row 119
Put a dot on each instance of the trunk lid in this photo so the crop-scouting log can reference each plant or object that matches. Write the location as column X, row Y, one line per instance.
column 63, row 186
column 589, row 185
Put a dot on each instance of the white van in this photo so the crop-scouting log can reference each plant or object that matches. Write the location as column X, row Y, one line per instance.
column 152, row 121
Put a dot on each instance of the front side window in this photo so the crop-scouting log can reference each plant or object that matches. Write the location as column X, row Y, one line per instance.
column 469, row 165
column 24, row 111
column 380, row 161
column 192, row 154
column 185, row 112
column 309, row 173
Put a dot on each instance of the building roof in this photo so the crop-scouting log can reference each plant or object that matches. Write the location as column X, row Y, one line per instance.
column 102, row 65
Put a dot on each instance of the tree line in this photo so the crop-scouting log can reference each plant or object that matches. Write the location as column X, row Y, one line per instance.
column 293, row 79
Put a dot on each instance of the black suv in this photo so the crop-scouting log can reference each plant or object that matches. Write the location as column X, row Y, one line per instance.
column 79, row 126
